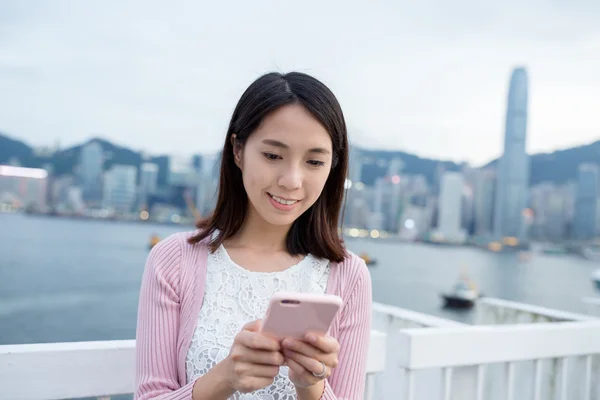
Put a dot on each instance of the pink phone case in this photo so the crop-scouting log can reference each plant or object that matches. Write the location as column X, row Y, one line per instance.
column 295, row 314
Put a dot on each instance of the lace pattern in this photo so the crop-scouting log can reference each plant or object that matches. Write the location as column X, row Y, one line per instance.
column 235, row 296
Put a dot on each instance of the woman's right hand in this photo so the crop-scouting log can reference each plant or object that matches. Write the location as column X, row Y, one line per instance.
column 254, row 359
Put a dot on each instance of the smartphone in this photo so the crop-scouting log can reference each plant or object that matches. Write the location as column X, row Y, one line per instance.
column 293, row 315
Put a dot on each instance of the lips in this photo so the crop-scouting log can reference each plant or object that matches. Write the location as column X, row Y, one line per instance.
column 282, row 203
column 283, row 200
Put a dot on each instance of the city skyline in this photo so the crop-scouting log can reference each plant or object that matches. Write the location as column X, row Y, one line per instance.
column 189, row 157
column 143, row 73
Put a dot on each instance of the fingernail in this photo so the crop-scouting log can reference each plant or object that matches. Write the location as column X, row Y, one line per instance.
column 311, row 338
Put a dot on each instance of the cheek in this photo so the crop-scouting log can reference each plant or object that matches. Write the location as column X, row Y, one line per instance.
column 255, row 177
column 316, row 185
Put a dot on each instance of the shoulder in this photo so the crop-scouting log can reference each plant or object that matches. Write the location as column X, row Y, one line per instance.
column 353, row 276
column 353, row 268
column 172, row 253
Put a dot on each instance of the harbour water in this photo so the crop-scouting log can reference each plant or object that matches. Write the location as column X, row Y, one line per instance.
column 74, row 280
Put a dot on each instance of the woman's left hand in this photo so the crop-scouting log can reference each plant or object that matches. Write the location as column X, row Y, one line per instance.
column 310, row 360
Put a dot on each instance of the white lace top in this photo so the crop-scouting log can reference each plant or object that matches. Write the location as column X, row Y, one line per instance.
column 235, row 296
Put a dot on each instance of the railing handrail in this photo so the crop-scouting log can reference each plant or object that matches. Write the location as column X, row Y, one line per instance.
column 415, row 316
column 591, row 300
column 93, row 369
column 533, row 309
column 487, row 344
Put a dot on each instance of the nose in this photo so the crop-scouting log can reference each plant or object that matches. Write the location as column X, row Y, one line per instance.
column 290, row 178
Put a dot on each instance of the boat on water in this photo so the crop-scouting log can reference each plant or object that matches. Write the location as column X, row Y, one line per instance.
column 596, row 278
column 154, row 239
column 464, row 294
column 368, row 260
column 591, row 253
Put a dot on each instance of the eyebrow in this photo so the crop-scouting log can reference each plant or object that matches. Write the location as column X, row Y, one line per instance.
column 277, row 143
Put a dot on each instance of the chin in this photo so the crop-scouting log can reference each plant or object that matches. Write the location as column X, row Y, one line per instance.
column 278, row 220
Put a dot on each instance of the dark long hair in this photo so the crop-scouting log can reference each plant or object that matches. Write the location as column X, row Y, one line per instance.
column 316, row 230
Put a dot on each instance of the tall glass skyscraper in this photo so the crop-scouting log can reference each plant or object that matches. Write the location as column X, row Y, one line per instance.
column 513, row 166
column 586, row 206
column 90, row 172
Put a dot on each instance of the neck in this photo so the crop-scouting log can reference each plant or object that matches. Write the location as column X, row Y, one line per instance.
column 259, row 234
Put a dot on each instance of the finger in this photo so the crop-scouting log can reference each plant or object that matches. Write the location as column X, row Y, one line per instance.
column 263, row 357
column 253, row 326
column 304, row 348
column 244, row 355
column 257, row 341
column 310, row 364
column 256, row 370
column 326, row 344
column 297, row 368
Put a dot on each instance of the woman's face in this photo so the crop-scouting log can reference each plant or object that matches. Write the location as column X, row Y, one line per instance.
column 285, row 164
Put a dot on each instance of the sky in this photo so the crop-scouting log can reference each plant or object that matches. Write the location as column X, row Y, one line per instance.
column 428, row 77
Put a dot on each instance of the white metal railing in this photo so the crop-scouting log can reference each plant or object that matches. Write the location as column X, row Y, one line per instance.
column 396, row 316
column 67, row 370
column 592, row 305
column 392, row 320
column 573, row 345
column 49, row 371
column 499, row 311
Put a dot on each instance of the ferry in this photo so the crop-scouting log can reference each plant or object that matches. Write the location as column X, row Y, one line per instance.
column 464, row 294
column 368, row 260
column 596, row 278
column 154, row 239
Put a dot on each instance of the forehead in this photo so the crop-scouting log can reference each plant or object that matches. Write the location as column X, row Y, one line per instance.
column 294, row 126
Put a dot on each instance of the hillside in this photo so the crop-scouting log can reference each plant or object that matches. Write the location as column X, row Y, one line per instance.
column 558, row 166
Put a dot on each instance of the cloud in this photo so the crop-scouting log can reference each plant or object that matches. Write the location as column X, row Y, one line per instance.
column 429, row 77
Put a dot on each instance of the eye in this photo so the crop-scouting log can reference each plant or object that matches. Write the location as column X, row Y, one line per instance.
column 271, row 156
column 316, row 163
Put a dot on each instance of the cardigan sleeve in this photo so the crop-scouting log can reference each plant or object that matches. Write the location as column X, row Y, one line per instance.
column 158, row 326
column 348, row 379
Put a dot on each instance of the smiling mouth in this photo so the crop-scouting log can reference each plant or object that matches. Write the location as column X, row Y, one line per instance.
column 281, row 200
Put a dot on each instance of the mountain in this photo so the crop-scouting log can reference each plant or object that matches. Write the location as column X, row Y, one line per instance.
column 11, row 149
column 65, row 161
column 562, row 165
column 375, row 164
column 558, row 167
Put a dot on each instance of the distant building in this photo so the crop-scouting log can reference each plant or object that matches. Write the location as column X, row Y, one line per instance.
column 550, row 205
column 148, row 182
column 586, row 202
column 91, row 166
column 120, row 188
column 513, row 167
column 450, row 206
column 23, row 187
column 485, row 183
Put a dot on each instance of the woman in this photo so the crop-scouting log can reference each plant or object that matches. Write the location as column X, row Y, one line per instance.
column 274, row 228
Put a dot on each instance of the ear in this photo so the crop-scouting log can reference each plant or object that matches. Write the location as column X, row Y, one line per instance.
column 237, row 151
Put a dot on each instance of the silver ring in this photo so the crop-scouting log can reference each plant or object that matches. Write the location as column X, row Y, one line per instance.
column 322, row 374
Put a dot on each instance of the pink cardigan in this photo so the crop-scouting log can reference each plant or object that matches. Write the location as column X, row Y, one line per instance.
column 170, row 300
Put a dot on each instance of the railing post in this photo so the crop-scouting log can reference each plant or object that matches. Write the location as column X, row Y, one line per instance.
column 370, row 387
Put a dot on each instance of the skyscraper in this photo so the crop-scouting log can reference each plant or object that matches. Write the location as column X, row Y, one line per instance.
column 119, row 188
column 148, row 182
column 588, row 193
column 90, row 172
column 513, row 166
column 449, row 220
column 484, row 201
